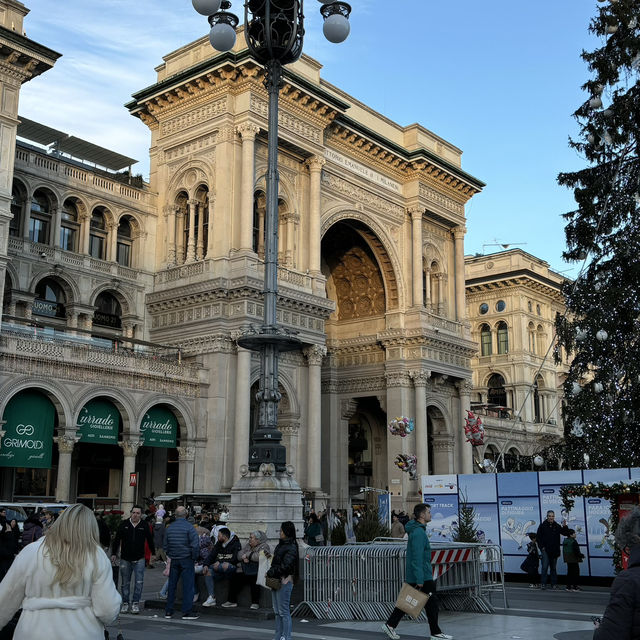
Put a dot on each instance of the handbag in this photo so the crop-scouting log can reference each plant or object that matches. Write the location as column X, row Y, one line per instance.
column 411, row 601
column 273, row 583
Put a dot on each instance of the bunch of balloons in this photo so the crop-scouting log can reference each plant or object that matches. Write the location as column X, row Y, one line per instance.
column 407, row 462
column 401, row 426
column 473, row 429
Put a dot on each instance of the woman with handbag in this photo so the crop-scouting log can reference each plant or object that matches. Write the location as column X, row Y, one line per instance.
column 281, row 577
column 62, row 582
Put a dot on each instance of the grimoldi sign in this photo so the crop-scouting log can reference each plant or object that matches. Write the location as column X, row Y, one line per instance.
column 98, row 422
column 29, row 421
column 159, row 428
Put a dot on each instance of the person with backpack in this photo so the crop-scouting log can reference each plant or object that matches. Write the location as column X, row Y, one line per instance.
column 532, row 562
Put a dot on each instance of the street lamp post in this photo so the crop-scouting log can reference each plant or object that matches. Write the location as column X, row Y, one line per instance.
column 274, row 31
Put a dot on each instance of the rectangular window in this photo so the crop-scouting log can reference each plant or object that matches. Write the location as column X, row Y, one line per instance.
column 124, row 254
column 96, row 247
column 503, row 341
column 39, row 230
column 67, row 239
column 485, row 342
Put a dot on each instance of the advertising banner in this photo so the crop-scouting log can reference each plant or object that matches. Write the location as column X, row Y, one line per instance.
column 478, row 487
column 518, row 484
column 98, row 422
column 159, row 428
column 29, row 420
column 599, row 537
column 486, row 520
column 550, row 500
column 518, row 517
column 384, row 509
column 444, row 515
column 435, row 485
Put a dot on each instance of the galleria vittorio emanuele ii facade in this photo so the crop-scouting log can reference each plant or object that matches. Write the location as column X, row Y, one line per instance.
column 123, row 299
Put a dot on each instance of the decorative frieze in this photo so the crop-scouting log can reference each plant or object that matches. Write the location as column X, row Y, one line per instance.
column 432, row 195
column 192, row 146
column 398, row 379
column 288, row 121
column 194, row 118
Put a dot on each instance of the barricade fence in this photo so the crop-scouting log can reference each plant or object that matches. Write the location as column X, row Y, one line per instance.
column 361, row 581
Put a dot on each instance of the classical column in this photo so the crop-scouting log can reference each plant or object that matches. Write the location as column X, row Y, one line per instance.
column 248, row 132
column 186, row 460
column 458, row 241
column 241, row 433
column 416, row 219
column 85, row 229
column 170, row 221
column 292, row 223
column 315, row 165
column 440, row 278
column 210, row 226
column 112, row 239
column 26, row 218
column 56, row 218
column 420, row 379
column 191, row 239
column 200, row 242
column 314, row 354
column 63, row 482
column 180, row 235
column 127, row 493
column 466, row 450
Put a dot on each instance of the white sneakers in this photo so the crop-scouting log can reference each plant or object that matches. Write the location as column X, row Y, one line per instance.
column 209, row 602
column 441, row 636
column 254, row 606
column 390, row 631
column 229, row 605
column 135, row 608
column 124, row 608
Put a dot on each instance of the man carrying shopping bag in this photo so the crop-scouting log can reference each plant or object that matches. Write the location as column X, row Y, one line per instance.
column 418, row 573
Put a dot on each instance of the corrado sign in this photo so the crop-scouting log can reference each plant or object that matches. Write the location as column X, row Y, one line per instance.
column 159, row 428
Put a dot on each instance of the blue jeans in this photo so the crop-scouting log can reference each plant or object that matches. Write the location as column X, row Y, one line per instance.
column 181, row 567
column 215, row 575
column 126, row 569
column 549, row 563
column 281, row 599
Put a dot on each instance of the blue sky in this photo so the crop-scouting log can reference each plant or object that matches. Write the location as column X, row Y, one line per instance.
column 498, row 79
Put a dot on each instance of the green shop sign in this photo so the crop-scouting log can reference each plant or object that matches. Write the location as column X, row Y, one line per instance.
column 98, row 422
column 29, row 420
column 159, row 428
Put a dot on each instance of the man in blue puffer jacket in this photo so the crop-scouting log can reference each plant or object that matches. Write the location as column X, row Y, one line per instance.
column 181, row 544
column 418, row 573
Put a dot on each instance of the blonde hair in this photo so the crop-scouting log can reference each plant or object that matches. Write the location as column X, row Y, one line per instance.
column 71, row 542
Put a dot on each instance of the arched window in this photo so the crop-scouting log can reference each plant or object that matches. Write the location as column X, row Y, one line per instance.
column 532, row 337
column 40, row 221
column 98, row 235
column 6, row 296
column 123, row 250
column 16, row 209
column 485, row 340
column 69, row 227
column 496, row 393
column 50, row 299
column 108, row 311
column 503, row 338
column 258, row 221
column 537, row 400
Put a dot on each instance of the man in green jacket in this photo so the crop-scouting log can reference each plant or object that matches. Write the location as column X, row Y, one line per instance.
column 418, row 573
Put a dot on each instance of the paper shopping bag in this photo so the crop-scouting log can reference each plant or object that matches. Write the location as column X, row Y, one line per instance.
column 264, row 564
column 411, row 601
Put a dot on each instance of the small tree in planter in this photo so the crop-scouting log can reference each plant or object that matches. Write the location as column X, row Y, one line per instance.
column 370, row 527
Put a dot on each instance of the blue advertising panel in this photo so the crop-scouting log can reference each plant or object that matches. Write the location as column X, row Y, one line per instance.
column 478, row 487
column 599, row 567
column 608, row 476
column 560, row 477
column 518, row 517
column 518, row 484
column 550, row 500
column 486, row 521
column 635, row 473
column 384, row 509
column 600, row 540
column 444, row 515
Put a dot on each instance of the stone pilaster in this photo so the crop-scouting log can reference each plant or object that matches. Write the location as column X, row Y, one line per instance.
column 420, row 380
column 127, row 493
column 458, row 239
column 248, row 132
column 242, row 412
column 315, row 165
column 416, row 219
column 314, row 354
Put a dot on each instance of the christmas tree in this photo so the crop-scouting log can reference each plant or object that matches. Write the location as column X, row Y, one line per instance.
column 465, row 530
column 601, row 329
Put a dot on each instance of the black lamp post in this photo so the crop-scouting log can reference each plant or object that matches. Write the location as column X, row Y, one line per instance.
column 274, row 31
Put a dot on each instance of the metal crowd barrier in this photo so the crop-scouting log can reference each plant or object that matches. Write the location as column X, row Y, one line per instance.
column 362, row 581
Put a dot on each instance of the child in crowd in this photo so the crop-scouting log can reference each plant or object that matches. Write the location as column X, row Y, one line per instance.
column 572, row 556
column 531, row 562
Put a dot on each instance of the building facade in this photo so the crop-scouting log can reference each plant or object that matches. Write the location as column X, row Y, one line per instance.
column 141, row 292
column 512, row 302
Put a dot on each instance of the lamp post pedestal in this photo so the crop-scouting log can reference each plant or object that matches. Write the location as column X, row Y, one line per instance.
column 262, row 500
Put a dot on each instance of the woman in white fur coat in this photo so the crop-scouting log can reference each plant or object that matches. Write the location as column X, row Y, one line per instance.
column 63, row 583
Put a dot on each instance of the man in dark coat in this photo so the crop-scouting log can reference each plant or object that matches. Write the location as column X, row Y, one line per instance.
column 548, row 539
column 621, row 620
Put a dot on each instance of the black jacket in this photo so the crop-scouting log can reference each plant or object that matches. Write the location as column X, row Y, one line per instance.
column 132, row 540
column 285, row 560
column 225, row 554
column 548, row 537
column 621, row 620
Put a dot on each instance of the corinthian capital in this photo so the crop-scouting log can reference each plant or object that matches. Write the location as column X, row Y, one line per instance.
column 130, row 447
column 248, row 130
column 315, row 354
column 459, row 231
column 186, row 454
column 315, row 163
column 416, row 212
column 66, row 443
column 420, row 377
